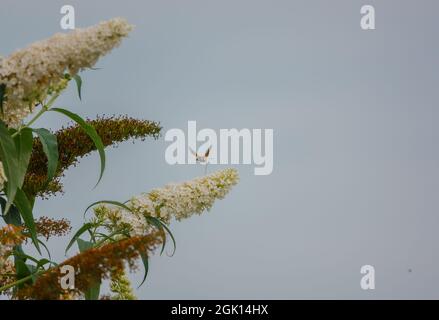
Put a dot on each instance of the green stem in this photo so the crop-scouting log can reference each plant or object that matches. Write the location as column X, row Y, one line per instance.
column 22, row 280
column 44, row 108
column 97, row 244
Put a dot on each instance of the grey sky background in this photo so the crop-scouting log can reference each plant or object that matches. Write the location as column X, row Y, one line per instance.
column 354, row 114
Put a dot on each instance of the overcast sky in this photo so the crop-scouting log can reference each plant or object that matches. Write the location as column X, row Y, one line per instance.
column 354, row 114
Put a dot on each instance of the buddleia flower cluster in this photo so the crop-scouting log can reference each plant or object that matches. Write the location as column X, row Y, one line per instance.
column 35, row 160
column 121, row 288
column 30, row 75
column 49, row 227
column 10, row 236
column 74, row 143
column 91, row 267
column 177, row 200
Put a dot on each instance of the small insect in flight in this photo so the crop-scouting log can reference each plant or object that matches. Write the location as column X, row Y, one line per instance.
column 202, row 158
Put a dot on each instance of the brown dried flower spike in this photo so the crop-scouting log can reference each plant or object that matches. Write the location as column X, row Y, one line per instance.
column 91, row 266
column 74, row 143
column 11, row 235
column 48, row 227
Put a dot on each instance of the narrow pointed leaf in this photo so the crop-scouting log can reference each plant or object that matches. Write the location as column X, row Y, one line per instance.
column 116, row 203
column 50, row 148
column 78, row 233
column 23, row 144
column 93, row 292
column 45, row 247
column 144, row 257
column 154, row 222
column 84, row 245
column 2, row 96
column 160, row 225
column 21, row 254
column 33, row 271
column 78, row 81
column 13, row 216
column 43, row 262
column 91, row 132
column 9, row 158
column 25, row 208
column 22, row 271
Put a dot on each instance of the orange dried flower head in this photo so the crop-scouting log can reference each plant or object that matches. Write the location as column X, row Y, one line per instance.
column 48, row 227
column 91, row 266
column 11, row 235
column 7, row 275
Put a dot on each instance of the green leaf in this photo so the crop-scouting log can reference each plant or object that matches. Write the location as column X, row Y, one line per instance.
column 160, row 225
column 13, row 215
column 25, row 208
column 78, row 81
column 84, row 245
column 43, row 262
column 45, row 247
column 23, row 144
column 2, row 96
column 78, row 233
column 157, row 224
column 93, row 292
column 91, row 132
column 144, row 257
column 22, row 270
column 33, row 271
column 116, row 203
column 107, row 237
column 50, row 148
column 19, row 249
column 20, row 253
column 9, row 158
column 174, row 243
column 32, row 200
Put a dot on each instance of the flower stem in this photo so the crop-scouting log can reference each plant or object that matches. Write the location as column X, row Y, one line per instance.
column 22, row 280
column 44, row 108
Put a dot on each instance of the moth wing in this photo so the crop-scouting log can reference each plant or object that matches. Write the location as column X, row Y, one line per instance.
column 207, row 152
column 193, row 152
